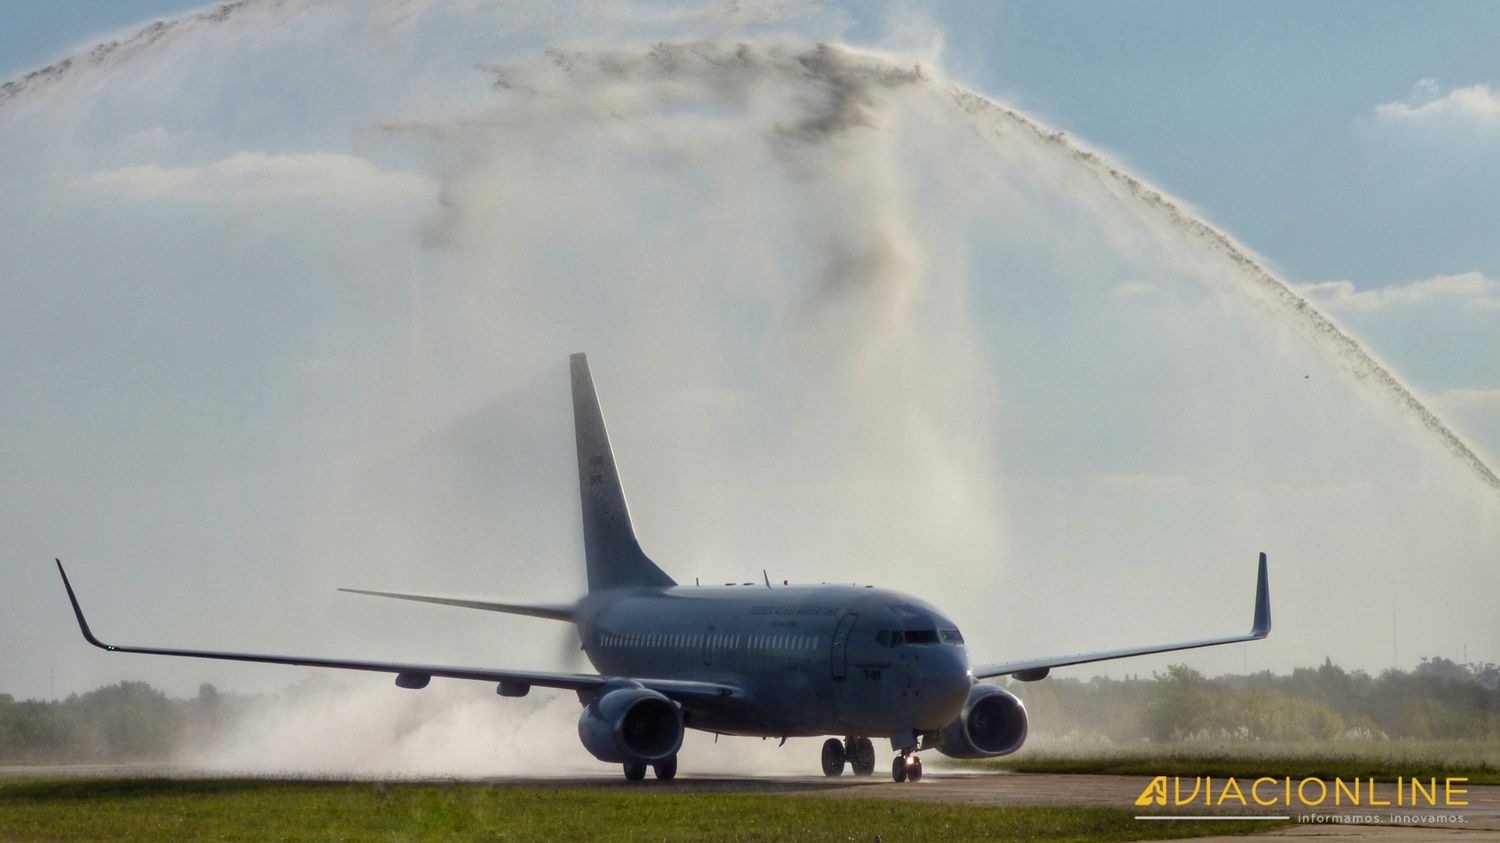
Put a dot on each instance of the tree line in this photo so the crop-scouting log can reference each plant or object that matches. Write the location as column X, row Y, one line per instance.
column 127, row 721
column 1438, row 700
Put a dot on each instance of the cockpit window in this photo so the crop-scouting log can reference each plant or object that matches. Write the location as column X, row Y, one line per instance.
column 897, row 637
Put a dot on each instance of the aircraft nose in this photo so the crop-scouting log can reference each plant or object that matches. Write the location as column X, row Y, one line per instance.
column 959, row 675
column 947, row 675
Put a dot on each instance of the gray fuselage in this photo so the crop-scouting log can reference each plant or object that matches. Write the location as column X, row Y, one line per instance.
column 811, row 660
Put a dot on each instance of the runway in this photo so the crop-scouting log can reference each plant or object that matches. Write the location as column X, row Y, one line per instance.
column 1479, row 820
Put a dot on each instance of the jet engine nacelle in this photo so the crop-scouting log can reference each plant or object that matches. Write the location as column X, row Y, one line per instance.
column 993, row 723
column 630, row 724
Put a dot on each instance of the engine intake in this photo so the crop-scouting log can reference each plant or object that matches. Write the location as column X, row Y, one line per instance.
column 631, row 724
column 993, row 723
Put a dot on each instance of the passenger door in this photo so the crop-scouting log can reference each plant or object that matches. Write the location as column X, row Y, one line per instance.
column 840, row 655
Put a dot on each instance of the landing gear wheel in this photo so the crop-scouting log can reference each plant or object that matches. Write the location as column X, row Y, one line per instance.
column 666, row 769
column 635, row 771
column 861, row 754
column 914, row 772
column 898, row 769
column 833, row 757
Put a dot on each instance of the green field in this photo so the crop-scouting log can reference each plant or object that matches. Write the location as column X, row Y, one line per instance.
column 1478, row 761
column 265, row 809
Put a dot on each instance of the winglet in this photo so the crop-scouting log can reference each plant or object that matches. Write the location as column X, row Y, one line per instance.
column 1262, row 625
column 78, row 612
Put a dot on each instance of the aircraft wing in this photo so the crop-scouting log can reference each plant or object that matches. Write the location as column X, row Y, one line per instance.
column 1031, row 670
column 512, row 682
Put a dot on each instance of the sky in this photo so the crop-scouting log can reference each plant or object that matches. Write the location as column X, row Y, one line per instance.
column 1351, row 147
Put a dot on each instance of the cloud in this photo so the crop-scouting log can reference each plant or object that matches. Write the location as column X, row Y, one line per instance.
column 253, row 176
column 1470, row 288
column 1475, row 108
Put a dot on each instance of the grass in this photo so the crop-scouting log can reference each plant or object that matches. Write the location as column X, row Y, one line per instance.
column 266, row 809
column 1382, row 761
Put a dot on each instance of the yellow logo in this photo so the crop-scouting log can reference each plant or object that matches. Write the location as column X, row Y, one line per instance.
column 1155, row 792
column 1307, row 792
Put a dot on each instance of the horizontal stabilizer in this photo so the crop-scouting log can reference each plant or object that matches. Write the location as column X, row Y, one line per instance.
column 553, row 611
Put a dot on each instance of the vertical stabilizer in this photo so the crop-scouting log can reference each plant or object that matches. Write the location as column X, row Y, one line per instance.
column 614, row 557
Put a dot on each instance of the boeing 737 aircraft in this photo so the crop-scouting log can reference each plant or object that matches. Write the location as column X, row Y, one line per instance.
column 853, row 662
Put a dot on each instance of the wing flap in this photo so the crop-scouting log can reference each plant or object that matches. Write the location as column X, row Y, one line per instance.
column 1033, row 669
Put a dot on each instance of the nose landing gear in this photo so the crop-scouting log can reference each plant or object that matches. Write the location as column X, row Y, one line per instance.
column 906, row 767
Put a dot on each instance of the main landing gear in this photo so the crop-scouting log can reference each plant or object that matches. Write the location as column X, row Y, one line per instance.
column 907, row 767
column 666, row 769
column 858, row 752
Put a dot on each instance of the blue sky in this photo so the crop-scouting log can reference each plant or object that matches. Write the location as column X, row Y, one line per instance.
column 1299, row 128
column 34, row 34
column 1263, row 115
column 275, row 231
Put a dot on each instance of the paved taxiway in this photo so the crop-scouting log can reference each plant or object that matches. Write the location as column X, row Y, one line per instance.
column 1481, row 816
